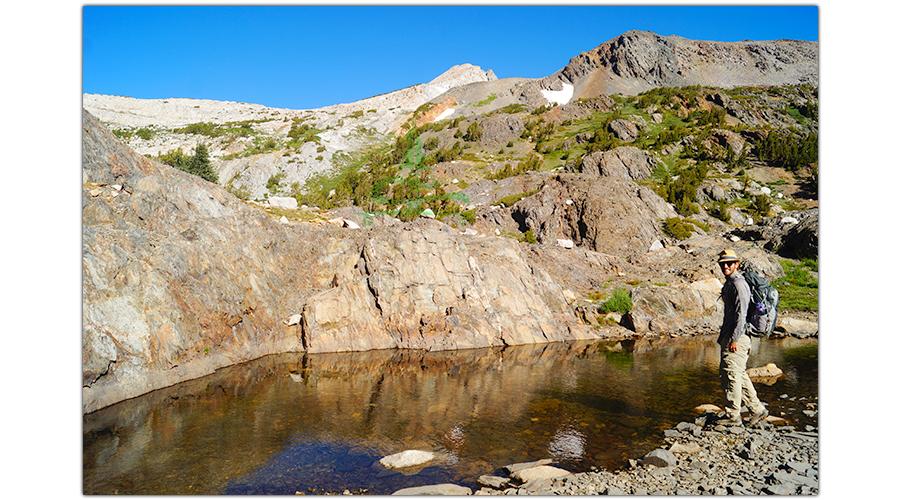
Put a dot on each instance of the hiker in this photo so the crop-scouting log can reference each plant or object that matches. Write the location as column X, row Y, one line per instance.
column 735, row 345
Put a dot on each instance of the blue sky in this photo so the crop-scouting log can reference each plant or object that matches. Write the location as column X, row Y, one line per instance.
column 305, row 57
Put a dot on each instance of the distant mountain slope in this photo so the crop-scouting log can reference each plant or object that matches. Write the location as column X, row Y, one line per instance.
column 243, row 158
column 122, row 111
column 637, row 61
column 259, row 152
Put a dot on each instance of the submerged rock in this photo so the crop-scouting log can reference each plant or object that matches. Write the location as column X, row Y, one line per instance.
column 408, row 458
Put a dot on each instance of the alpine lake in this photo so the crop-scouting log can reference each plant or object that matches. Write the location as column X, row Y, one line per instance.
column 319, row 423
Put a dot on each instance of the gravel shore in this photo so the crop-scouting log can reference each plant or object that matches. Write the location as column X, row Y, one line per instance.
column 701, row 457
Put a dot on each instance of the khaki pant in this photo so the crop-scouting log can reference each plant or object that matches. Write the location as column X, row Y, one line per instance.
column 735, row 383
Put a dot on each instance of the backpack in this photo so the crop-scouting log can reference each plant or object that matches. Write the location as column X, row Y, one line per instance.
column 763, row 310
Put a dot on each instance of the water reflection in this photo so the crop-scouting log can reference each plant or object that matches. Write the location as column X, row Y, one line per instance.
column 567, row 443
column 319, row 423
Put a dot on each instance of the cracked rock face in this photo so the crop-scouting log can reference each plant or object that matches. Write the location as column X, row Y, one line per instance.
column 428, row 288
column 181, row 278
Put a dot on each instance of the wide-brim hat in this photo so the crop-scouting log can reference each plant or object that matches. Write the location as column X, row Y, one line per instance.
column 728, row 256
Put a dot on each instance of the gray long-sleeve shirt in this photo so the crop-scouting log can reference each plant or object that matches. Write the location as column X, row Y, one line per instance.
column 736, row 296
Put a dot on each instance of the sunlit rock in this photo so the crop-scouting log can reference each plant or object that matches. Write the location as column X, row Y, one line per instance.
column 408, row 458
column 539, row 472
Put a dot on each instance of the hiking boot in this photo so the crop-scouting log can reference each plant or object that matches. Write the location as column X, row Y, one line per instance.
column 759, row 416
column 729, row 421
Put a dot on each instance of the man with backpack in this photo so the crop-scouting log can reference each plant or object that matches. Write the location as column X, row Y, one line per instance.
column 734, row 340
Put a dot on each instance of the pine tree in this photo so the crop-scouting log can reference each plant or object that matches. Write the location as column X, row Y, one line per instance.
column 200, row 165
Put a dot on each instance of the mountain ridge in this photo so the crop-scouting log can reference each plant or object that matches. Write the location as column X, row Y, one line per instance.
column 637, row 61
column 628, row 64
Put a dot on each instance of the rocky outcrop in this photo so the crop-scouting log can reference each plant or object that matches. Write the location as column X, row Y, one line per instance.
column 627, row 130
column 430, row 288
column 674, row 308
column 625, row 162
column 607, row 215
column 498, row 130
column 792, row 233
column 180, row 278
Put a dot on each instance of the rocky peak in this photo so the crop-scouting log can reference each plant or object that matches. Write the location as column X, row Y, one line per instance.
column 457, row 76
column 462, row 74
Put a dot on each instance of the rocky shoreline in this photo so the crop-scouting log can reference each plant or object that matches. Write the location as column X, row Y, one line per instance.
column 700, row 457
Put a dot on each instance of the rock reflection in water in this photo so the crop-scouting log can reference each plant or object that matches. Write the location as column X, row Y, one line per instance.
column 317, row 423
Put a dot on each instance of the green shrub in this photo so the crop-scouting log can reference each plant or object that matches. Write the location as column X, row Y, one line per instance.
column 123, row 134
column 199, row 164
column 677, row 228
column 719, row 210
column 619, row 302
column 274, row 182
column 242, row 192
column 528, row 237
column 761, row 206
column 204, row 128
column 432, row 143
column 485, row 102
column 699, row 224
column 533, row 162
column 473, row 132
column 514, row 108
column 511, row 200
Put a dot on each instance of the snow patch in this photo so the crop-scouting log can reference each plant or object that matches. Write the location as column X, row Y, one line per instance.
column 560, row 96
column 445, row 114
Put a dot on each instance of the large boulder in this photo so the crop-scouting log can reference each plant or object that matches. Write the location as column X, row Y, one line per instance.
column 624, row 162
column 660, row 457
column 797, row 327
column 607, row 215
column 672, row 308
column 627, row 130
column 498, row 130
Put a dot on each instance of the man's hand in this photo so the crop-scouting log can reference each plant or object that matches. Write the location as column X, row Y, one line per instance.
column 733, row 347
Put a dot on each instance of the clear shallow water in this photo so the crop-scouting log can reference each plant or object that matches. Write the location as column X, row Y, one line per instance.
column 319, row 423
